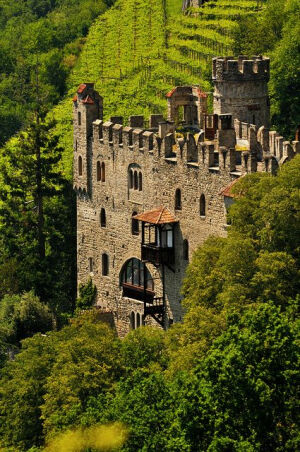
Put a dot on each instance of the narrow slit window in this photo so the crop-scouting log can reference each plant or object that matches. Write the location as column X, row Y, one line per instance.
column 98, row 171
column 79, row 118
column 103, row 172
column 135, row 180
column 80, row 165
column 178, row 199
column 202, row 206
column 132, row 321
column 134, row 225
column 91, row 264
column 140, row 181
column 103, row 218
column 104, row 264
column 130, row 179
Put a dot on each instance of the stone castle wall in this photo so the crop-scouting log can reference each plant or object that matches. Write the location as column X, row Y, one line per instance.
column 162, row 174
column 195, row 166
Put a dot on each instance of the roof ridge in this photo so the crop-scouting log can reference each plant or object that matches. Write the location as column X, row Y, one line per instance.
column 160, row 215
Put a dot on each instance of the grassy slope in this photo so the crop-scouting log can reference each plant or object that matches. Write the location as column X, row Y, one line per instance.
column 140, row 49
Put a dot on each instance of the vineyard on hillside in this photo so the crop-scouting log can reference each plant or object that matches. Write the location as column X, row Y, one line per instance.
column 139, row 49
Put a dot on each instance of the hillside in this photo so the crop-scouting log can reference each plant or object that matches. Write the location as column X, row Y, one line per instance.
column 40, row 41
column 139, row 49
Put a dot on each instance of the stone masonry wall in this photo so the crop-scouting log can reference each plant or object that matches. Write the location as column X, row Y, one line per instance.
column 195, row 166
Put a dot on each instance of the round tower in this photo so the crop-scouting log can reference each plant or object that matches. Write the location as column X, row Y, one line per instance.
column 241, row 88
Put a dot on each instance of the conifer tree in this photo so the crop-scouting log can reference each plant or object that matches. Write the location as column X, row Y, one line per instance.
column 32, row 187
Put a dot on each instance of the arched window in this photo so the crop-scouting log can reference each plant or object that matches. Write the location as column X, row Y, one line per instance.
column 135, row 273
column 135, row 177
column 178, row 199
column 130, row 178
column 103, row 218
column 138, row 319
column 202, row 205
column 185, row 250
column 132, row 320
column 135, row 229
column 79, row 118
column 103, row 172
column 80, row 165
column 104, row 264
column 98, row 171
column 135, row 180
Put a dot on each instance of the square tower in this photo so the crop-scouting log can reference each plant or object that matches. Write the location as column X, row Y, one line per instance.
column 241, row 88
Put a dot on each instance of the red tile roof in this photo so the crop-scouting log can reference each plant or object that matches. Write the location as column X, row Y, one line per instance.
column 81, row 88
column 161, row 215
column 227, row 190
column 170, row 93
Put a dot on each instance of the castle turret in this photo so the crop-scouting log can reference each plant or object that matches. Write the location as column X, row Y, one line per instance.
column 87, row 107
column 240, row 88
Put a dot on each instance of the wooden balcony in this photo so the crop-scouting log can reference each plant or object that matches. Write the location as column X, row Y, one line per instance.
column 137, row 293
column 157, row 255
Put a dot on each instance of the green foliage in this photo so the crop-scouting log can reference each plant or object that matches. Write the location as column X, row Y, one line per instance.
column 143, row 347
column 36, row 212
column 142, row 402
column 87, row 295
column 22, row 390
column 52, row 377
column 22, row 316
column 88, row 362
column 36, row 37
column 276, row 32
column 244, row 392
column 268, row 212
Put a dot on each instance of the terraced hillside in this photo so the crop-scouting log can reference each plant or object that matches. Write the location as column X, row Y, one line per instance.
column 140, row 49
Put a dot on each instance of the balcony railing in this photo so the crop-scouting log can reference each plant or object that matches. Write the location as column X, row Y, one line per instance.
column 137, row 293
column 155, row 307
column 157, row 255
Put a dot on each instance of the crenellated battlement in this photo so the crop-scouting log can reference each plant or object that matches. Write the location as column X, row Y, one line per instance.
column 241, row 69
column 239, row 150
column 219, row 148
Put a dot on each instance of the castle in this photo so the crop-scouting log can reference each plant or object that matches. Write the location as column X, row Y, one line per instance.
column 149, row 194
